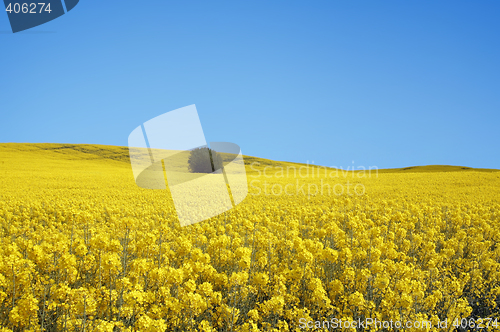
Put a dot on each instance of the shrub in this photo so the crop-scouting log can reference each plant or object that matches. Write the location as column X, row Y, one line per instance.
column 198, row 162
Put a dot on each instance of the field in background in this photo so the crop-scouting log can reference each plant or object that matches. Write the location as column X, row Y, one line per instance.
column 82, row 248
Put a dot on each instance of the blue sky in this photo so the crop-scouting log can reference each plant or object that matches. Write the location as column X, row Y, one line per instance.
column 381, row 83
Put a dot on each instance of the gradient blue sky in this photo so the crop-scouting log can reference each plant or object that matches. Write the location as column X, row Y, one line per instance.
column 381, row 83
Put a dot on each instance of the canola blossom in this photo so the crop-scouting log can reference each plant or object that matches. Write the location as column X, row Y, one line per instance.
column 83, row 248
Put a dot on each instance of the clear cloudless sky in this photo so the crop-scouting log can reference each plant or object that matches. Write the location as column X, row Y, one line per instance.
column 387, row 83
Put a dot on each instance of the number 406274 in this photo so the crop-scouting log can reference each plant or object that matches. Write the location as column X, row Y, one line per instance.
column 479, row 323
column 28, row 8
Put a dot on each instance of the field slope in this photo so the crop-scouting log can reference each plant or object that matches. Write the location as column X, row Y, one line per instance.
column 53, row 152
column 83, row 248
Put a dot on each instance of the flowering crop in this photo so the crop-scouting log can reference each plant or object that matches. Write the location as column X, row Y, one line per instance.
column 82, row 248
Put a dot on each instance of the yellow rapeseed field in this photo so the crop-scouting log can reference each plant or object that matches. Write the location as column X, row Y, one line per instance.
column 83, row 248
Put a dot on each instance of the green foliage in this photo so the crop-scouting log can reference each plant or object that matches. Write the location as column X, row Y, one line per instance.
column 198, row 162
